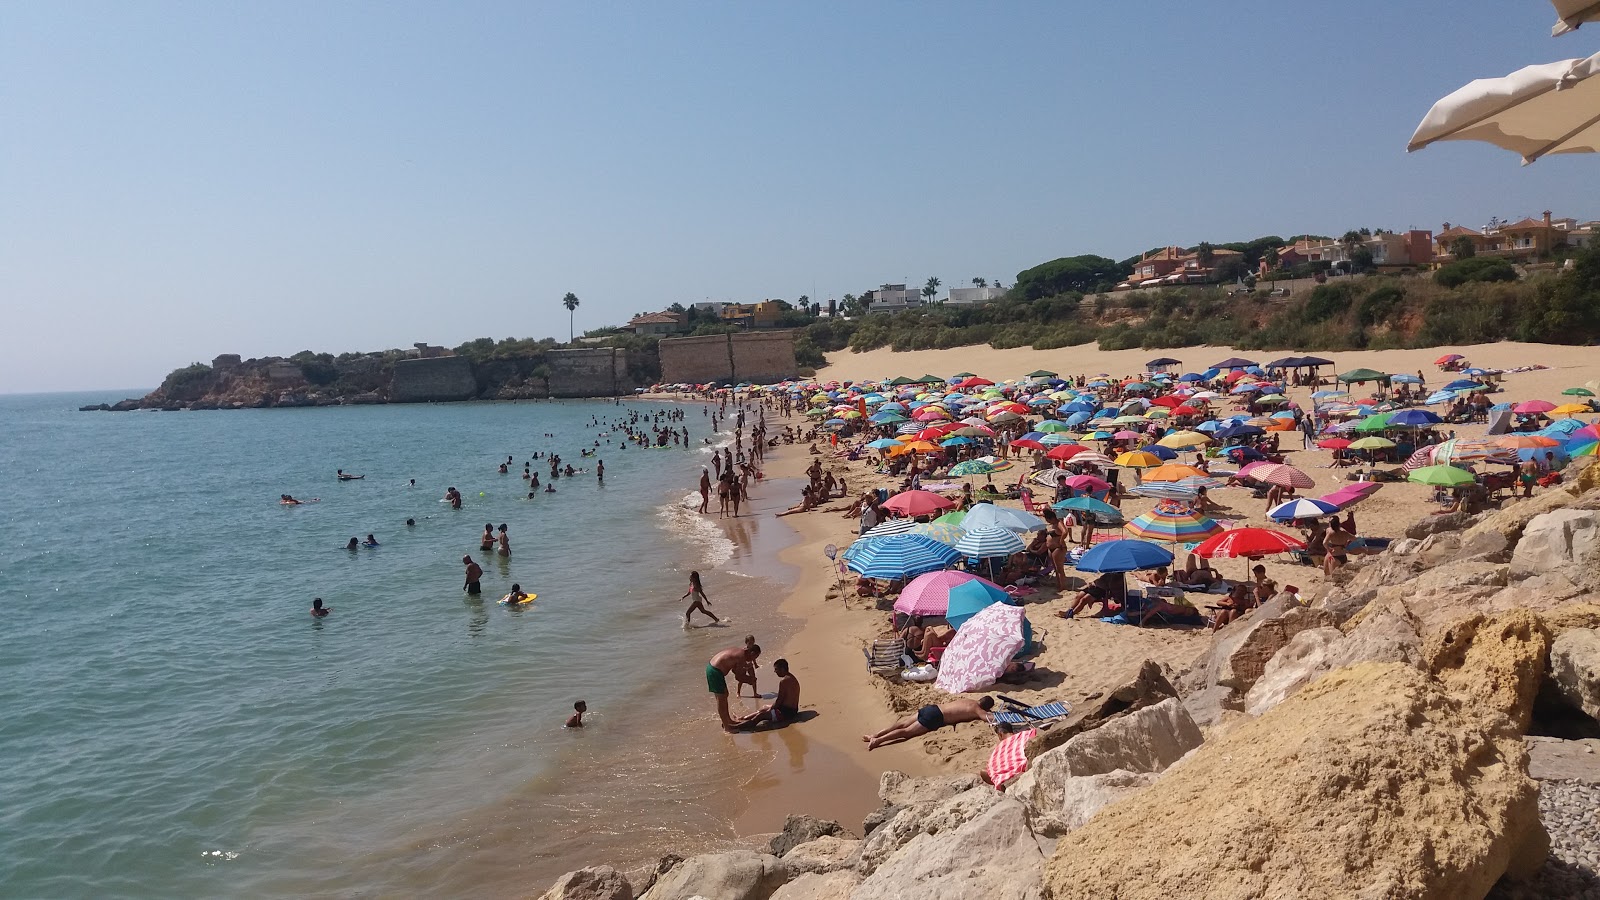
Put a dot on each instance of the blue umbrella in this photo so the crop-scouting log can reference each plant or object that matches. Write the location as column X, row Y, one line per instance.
column 1124, row 556
column 1077, row 418
column 984, row 515
column 1191, row 377
column 1440, row 397
column 989, row 541
column 1303, row 508
column 1405, row 379
column 900, row 556
column 1088, row 505
column 1461, row 384
column 1163, row 452
column 1414, row 418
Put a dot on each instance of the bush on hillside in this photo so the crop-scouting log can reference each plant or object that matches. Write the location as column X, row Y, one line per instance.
column 1477, row 268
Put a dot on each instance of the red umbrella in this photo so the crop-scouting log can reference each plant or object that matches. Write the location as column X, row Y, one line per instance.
column 1333, row 444
column 1185, row 410
column 1031, row 444
column 917, row 503
column 934, row 433
column 1282, row 476
column 1166, row 400
column 1247, row 542
column 1448, row 358
column 1062, row 451
column 974, row 381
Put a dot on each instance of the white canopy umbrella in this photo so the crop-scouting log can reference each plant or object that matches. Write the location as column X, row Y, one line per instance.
column 1534, row 112
column 1572, row 13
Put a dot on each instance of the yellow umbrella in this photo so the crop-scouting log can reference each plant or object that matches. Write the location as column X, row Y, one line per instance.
column 1571, row 409
column 1139, row 459
column 1179, row 440
column 1173, row 472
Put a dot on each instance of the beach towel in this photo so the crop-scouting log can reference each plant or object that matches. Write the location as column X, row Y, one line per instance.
column 1009, row 759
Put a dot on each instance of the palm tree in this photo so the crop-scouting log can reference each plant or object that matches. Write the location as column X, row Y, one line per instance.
column 980, row 282
column 570, row 301
column 931, row 289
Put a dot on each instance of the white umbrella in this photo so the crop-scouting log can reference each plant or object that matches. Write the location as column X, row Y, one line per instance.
column 1534, row 112
column 1572, row 13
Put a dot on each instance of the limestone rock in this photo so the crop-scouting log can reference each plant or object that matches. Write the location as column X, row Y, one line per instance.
column 1439, row 596
column 1427, row 525
column 994, row 856
column 917, row 819
column 593, row 883
column 1554, row 759
column 877, row 817
column 1240, row 654
column 799, row 830
column 644, row 877
column 825, row 854
column 1559, row 554
column 1576, row 615
column 1146, row 686
column 1386, row 634
column 900, row 789
column 1371, row 783
column 1082, row 796
column 731, row 875
column 1142, row 742
column 1588, row 478
column 1497, row 663
column 811, row 886
column 1575, row 669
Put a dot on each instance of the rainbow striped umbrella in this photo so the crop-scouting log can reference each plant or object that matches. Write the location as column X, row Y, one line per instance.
column 1173, row 523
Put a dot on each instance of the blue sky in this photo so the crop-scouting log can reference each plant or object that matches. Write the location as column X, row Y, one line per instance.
column 179, row 180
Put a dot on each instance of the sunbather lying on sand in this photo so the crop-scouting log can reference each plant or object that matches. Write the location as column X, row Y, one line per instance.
column 931, row 718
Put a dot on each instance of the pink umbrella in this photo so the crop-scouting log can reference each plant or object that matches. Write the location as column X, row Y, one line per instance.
column 1528, row 407
column 917, row 503
column 929, row 595
column 1087, row 483
column 1282, row 476
column 1351, row 494
column 1125, row 435
column 978, row 654
column 1248, row 469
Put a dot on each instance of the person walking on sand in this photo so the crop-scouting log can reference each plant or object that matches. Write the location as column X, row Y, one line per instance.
column 705, row 489
column 701, row 601
column 474, row 576
column 717, row 677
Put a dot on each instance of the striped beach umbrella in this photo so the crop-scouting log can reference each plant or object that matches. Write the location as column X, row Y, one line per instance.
column 1173, row 523
column 900, row 556
column 1301, row 509
column 893, row 526
column 984, row 515
column 1282, row 476
column 943, row 532
column 990, row 541
column 971, row 467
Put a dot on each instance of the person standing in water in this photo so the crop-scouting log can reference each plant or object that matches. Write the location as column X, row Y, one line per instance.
column 474, row 576
column 717, row 678
column 701, row 601
column 486, row 543
column 318, row 610
column 600, row 470
column 705, row 489
column 505, row 541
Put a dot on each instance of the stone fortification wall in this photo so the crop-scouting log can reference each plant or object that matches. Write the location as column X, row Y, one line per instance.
column 758, row 356
column 592, row 372
column 762, row 357
column 428, row 380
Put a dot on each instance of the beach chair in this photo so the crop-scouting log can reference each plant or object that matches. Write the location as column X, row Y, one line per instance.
column 887, row 656
column 1027, row 502
column 1019, row 715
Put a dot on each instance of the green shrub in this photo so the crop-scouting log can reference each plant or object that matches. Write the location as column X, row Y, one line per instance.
column 1477, row 268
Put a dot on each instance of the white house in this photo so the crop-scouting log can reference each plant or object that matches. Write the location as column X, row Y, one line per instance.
column 974, row 296
column 894, row 298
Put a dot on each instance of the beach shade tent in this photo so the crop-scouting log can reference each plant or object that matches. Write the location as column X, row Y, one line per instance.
column 1441, row 476
column 989, row 542
column 1161, row 363
column 1124, row 555
column 1040, row 373
column 978, row 654
column 1302, row 508
column 929, row 595
column 1233, row 362
column 1535, row 111
column 917, row 503
column 1282, row 475
column 988, row 515
column 900, row 556
column 1357, row 376
column 1172, row 523
column 1351, row 494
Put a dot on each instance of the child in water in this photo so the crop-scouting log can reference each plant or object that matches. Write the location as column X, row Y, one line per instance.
column 576, row 719
column 318, row 610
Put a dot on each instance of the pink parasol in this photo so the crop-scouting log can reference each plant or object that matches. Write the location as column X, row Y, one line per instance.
column 1528, row 407
column 1351, row 494
column 978, row 654
column 917, row 503
column 929, row 595
column 1087, row 483
column 1282, row 476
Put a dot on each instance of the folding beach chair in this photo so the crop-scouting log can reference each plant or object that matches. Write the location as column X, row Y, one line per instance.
column 887, row 656
column 1019, row 715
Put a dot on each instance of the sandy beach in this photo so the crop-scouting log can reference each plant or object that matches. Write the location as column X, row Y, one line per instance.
column 1080, row 659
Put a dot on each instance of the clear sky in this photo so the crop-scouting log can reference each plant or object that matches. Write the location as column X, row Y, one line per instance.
column 179, row 180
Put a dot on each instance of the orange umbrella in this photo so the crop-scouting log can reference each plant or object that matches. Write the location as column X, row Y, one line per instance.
column 1525, row 441
column 1173, row 472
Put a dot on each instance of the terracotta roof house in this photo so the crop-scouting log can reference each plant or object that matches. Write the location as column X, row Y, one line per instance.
column 658, row 323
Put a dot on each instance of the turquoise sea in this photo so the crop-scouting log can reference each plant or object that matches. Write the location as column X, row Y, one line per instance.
column 177, row 725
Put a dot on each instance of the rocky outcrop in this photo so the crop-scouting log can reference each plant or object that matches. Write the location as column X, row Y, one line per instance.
column 731, row 875
column 917, row 819
column 1066, row 786
column 992, row 856
column 1558, row 556
column 1575, row 670
column 825, row 854
column 1145, row 687
column 831, row 886
column 1497, row 663
column 799, row 830
column 1220, row 680
column 1372, row 782
column 1384, row 633
column 594, row 883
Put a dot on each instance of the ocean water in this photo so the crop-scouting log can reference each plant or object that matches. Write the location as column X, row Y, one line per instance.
column 176, row 724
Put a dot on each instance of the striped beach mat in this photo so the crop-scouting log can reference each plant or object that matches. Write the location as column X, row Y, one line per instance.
column 1055, row 710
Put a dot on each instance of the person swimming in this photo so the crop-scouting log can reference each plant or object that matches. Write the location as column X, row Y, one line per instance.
column 287, row 500
column 354, row 544
column 549, row 489
column 318, row 610
column 517, row 595
column 411, row 523
column 370, row 541
column 343, row 476
column 576, row 719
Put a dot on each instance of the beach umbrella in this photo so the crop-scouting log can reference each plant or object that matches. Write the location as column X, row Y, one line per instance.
column 1239, row 543
column 1065, row 452
column 1465, row 450
column 1172, row 472
column 1139, row 459
column 1351, row 494
column 1052, row 426
column 1414, row 418
column 1525, row 441
column 1124, row 555
column 1092, row 458
column 1301, row 509
column 943, row 533
column 972, row 597
column 893, row 526
column 1577, row 392
column 1533, row 407
column 1282, row 476
column 957, row 442
column 971, row 466
column 1028, row 443
column 929, row 595
column 989, row 541
column 1332, row 443
column 917, row 503
column 977, row 656
column 984, row 515
column 1179, row 440
column 1087, row 505
column 1448, row 358
column 884, row 444
column 1441, row 476
column 901, row 556
column 1087, row 483
column 1533, row 112
column 1173, row 523
column 1571, row 409
column 1165, row 490
column 1403, row 378
column 1372, row 443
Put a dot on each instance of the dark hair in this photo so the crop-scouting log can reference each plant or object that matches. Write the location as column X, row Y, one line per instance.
column 580, row 706
column 411, row 521
column 781, row 666
column 488, row 526
column 694, row 579
column 515, row 586
column 466, row 559
column 986, row 703
column 316, row 603
column 753, row 649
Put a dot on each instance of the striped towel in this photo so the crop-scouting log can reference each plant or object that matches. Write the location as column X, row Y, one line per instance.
column 1009, row 759
column 1048, row 711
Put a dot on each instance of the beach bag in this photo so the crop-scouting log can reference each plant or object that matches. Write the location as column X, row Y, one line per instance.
column 922, row 673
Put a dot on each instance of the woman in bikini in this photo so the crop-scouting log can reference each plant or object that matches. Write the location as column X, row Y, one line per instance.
column 505, row 542
column 486, row 543
column 701, row 601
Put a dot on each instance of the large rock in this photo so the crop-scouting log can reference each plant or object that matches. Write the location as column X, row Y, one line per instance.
column 1559, row 554
column 899, row 789
column 1386, row 634
column 1575, row 669
column 1146, row 686
column 593, row 883
column 918, row 819
column 799, row 830
column 1496, row 662
column 1371, row 783
column 1145, row 742
column 1440, row 596
column 811, row 886
column 991, row 857
column 731, row 875
column 1223, row 676
column 825, row 854
column 1437, row 524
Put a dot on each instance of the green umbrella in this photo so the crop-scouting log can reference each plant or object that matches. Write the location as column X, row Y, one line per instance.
column 963, row 375
column 1376, row 422
column 1372, row 443
column 1578, row 392
column 951, row 518
column 1053, row 427
column 972, row 467
column 1041, row 374
column 1441, row 476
